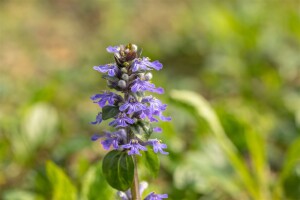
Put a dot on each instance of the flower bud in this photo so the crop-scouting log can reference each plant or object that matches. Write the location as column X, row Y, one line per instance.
column 127, row 50
column 124, row 70
column 126, row 64
column 132, row 77
column 122, row 84
column 125, row 77
column 134, row 47
column 148, row 76
column 141, row 76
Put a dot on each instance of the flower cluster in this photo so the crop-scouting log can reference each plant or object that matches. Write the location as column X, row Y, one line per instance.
column 132, row 112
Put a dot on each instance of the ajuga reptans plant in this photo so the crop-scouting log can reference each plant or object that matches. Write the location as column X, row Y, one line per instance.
column 132, row 112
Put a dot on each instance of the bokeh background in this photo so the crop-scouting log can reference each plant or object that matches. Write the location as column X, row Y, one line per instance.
column 243, row 57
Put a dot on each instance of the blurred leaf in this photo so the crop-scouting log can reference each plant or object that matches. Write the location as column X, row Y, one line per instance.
column 206, row 170
column 109, row 112
column 19, row 194
column 70, row 146
column 118, row 169
column 38, row 127
column 93, row 185
column 40, row 124
column 292, row 158
column 256, row 146
column 291, row 184
column 150, row 159
column 62, row 188
column 204, row 110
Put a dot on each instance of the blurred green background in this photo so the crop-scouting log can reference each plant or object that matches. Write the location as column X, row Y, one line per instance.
column 242, row 56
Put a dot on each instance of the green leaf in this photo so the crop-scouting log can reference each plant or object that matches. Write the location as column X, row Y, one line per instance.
column 147, row 128
column 142, row 129
column 151, row 161
column 291, row 160
column 62, row 188
column 135, row 128
column 93, row 185
column 118, row 169
column 20, row 195
column 109, row 112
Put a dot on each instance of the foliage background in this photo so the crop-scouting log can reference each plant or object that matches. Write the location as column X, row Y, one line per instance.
column 242, row 56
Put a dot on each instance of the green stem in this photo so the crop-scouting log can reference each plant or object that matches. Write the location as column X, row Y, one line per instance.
column 135, row 185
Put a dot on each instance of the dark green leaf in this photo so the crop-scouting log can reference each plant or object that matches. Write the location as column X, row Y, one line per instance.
column 109, row 112
column 118, row 169
column 151, row 161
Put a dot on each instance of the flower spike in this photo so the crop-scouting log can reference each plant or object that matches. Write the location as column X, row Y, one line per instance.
column 131, row 113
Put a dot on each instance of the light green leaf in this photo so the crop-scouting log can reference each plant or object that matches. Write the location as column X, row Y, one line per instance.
column 62, row 188
column 93, row 184
column 20, row 195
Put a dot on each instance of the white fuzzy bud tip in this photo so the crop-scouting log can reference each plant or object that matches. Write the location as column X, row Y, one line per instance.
column 122, row 84
column 125, row 77
column 148, row 76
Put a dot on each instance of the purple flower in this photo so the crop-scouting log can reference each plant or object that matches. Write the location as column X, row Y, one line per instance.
column 109, row 97
column 112, row 49
column 95, row 137
column 132, row 105
column 144, row 64
column 154, row 104
column 112, row 69
column 150, row 115
column 134, row 147
column 98, row 119
column 143, row 114
column 111, row 138
column 157, row 129
column 141, row 86
column 157, row 146
column 153, row 196
column 121, row 121
column 146, row 113
column 161, row 117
